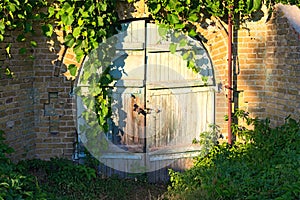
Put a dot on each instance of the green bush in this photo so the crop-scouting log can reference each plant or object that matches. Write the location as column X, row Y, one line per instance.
column 61, row 179
column 264, row 164
column 13, row 184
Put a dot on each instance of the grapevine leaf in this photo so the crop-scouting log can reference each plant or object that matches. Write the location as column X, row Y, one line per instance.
column 179, row 26
column 100, row 21
column 69, row 40
column 33, row 43
column 67, row 19
column 191, row 64
column 173, row 18
column 182, row 42
column 193, row 17
column 162, row 30
column 21, row 38
column 173, row 47
column 73, row 69
column 7, row 49
column 192, row 33
column 47, row 30
column 76, row 32
column 51, row 12
column 2, row 26
column 186, row 55
column 156, row 10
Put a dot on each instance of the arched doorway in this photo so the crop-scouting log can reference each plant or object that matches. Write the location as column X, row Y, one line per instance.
column 158, row 105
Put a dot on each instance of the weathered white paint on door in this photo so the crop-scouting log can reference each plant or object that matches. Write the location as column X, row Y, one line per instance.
column 159, row 105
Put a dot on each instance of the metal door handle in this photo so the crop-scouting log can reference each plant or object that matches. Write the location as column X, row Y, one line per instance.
column 145, row 111
column 139, row 110
column 142, row 111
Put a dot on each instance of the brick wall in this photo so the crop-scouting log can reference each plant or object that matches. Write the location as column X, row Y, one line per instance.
column 216, row 45
column 54, row 122
column 266, row 56
column 16, row 100
column 282, row 69
column 36, row 108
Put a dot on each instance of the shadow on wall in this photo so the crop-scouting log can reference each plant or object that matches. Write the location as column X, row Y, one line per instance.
column 266, row 68
column 282, row 91
column 36, row 107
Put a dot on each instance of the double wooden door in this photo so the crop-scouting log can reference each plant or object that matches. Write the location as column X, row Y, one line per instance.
column 159, row 105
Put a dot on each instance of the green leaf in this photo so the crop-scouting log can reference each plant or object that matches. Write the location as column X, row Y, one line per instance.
column 171, row 5
column 33, row 43
column 69, row 40
column 173, row 47
column 179, row 26
column 2, row 26
column 73, row 69
column 162, row 30
column 192, row 33
column 183, row 42
column 21, row 38
column 191, row 64
column 156, row 10
column 67, row 19
column 11, row 7
column 9, row 74
column 193, row 17
column 66, row 7
column 80, row 22
column 51, row 12
column 7, row 49
column 20, row 16
column 47, row 30
column 186, row 55
column 79, row 54
column 105, row 110
column 100, row 21
column 76, row 32
column 173, row 18
column 103, row 7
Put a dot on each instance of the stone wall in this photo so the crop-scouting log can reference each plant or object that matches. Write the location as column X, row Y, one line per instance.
column 36, row 107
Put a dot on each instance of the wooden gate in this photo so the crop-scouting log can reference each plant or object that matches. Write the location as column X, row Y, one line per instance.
column 159, row 105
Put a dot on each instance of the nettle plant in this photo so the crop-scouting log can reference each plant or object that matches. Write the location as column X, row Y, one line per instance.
column 86, row 24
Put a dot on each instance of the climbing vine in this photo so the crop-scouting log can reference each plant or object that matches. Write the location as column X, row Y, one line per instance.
column 185, row 13
column 83, row 25
column 86, row 24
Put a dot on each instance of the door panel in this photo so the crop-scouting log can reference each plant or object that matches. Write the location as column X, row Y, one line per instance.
column 178, row 116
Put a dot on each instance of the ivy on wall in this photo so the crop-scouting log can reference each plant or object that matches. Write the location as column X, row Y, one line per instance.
column 86, row 24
